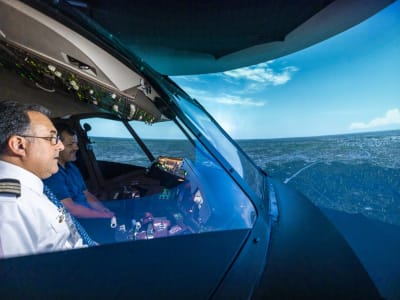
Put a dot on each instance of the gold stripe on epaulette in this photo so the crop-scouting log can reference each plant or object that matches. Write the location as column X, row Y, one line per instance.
column 10, row 186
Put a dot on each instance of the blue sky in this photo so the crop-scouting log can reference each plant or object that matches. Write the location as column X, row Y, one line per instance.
column 349, row 83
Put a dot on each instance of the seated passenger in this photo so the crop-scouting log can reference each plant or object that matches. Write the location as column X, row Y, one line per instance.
column 68, row 185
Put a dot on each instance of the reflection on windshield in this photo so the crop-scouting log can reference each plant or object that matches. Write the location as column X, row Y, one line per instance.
column 240, row 163
column 184, row 191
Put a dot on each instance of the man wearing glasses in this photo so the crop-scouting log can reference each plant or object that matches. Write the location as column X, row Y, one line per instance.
column 29, row 151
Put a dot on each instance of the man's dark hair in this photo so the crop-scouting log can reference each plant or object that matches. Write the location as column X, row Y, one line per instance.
column 61, row 127
column 14, row 119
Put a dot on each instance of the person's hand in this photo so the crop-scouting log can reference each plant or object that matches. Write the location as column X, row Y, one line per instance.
column 108, row 213
column 105, row 214
column 105, row 209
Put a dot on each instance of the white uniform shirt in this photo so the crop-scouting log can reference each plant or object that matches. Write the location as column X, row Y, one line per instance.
column 30, row 223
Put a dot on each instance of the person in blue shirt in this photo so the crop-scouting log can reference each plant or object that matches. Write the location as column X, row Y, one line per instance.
column 70, row 188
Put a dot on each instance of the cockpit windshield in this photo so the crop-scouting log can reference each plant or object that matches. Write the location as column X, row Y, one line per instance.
column 230, row 152
column 161, row 184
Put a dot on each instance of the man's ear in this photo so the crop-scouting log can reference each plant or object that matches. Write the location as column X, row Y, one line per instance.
column 17, row 145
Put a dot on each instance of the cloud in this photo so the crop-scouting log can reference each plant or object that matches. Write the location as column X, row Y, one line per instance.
column 263, row 73
column 189, row 78
column 195, row 93
column 206, row 96
column 235, row 100
column 391, row 117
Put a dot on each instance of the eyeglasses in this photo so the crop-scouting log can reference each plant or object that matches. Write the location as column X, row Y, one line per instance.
column 52, row 139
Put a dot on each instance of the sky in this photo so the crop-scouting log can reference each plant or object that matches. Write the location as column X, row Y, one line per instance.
column 347, row 84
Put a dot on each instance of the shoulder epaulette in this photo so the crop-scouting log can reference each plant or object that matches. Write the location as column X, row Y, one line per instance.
column 10, row 186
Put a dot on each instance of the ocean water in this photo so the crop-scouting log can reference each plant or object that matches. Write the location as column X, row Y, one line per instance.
column 357, row 173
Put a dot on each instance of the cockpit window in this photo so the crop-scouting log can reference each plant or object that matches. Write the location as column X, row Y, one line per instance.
column 230, row 152
column 114, row 145
column 161, row 183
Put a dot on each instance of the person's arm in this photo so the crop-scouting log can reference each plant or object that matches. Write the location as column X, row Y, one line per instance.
column 16, row 239
column 81, row 211
column 95, row 203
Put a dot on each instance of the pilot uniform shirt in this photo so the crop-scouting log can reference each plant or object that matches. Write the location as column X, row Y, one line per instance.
column 68, row 183
column 30, row 223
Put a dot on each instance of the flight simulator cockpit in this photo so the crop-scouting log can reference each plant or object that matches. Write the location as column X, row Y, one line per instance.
column 137, row 154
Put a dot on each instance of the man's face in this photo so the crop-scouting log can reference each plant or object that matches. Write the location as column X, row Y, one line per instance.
column 42, row 155
column 70, row 148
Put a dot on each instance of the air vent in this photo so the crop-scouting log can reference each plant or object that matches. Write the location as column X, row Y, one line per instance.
column 80, row 65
